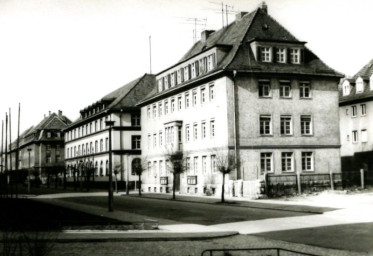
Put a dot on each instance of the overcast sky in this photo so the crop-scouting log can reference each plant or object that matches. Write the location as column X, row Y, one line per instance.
column 66, row 54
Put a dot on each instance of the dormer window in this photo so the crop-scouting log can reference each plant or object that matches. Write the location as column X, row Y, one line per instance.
column 172, row 79
column 281, row 55
column 346, row 88
column 295, row 56
column 160, row 85
column 180, row 76
column 194, row 73
column 210, row 62
column 186, row 73
column 359, row 85
column 166, row 82
column 203, row 65
column 265, row 54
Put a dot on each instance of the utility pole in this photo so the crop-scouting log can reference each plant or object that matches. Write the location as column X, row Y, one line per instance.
column 10, row 141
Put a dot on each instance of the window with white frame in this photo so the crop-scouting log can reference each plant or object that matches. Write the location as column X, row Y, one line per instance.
column 287, row 161
column 203, row 130
column 160, row 84
column 136, row 142
column 286, row 125
column 194, row 73
column 265, row 125
column 186, row 73
column 281, row 55
column 354, row 111
column 213, row 163
column 194, row 98
column 187, row 160
column 363, row 109
column 210, row 62
column 306, row 125
column 172, row 105
column 149, row 140
column 264, row 89
column 204, row 164
column 203, row 65
column 187, row 133
column 179, row 102
column 165, row 81
column 212, row 128
column 195, row 132
column 203, row 95
column 195, row 164
column 285, row 89
column 187, row 100
column 364, row 135
column 172, row 76
column 160, row 110
column 265, row 53
column 304, row 90
column 179, row 76
column 307, row 161
column 135, row 119
column 154, row 111
column 354, row 137
column 160, row 138
column 359, row 85
column 295, row 56
column 266, row 162
column 211, row 92
column 166, row 107
column 154, row 140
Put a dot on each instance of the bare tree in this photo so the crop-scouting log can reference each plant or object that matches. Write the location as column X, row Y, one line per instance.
column 177, row 161
column 225, row 163
column 139, row 165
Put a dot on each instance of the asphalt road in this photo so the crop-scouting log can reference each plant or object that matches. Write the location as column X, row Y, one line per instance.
column 186, row 212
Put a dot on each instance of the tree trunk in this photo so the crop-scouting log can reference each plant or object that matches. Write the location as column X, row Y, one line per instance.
column 222, row 189
column 173, row 186
column 139, row 185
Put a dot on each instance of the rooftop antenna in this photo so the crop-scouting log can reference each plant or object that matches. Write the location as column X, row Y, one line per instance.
column 196, row 22
column 228, row 11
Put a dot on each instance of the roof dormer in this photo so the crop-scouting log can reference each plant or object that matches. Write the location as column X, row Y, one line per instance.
column 346, row 87
column 359, row 85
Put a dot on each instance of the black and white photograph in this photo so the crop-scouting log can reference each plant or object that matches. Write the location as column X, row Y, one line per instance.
column 186, row 127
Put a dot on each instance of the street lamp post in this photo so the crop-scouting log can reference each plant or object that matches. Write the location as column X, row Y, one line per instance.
column 110, row 192
column 29, row 168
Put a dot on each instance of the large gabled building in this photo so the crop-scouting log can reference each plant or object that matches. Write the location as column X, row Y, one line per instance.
column 41, row 147
column 87, row 139
column 356, row 112
column 251, row 89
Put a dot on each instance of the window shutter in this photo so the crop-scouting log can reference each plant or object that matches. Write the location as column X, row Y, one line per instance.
column 197, row 68
column 258, row 53
column 213, row 61
column 182, row 75
column 189, row 71
column 274, row 55
column 288, row 59
column 301, row 55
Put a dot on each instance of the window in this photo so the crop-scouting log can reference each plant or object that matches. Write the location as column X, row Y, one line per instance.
column 348, row 137
column 96, row 146
column 154, row 140
column 203, row 65
column 354, row 137
column 265, row 54
column 187, row 164
column 307, row 161
column 364, row 135
column 58, row 134
column 161, row 169
column 264, row 89
column 203, row 130
column 160, row 85
column 295, row 56
column 107, row 144
column 287, row 161
column 149, row 140
column 203, row 95
column 210, row 62
column 363, row 109
column 179, row 76
column 194, row 74
column 186, row 73
column 195, row 132
column 148, row 112
column 266, row 162
column 359, row 85
column 187, row 133
column 285, row 90
column 172, row 76
column 135, row 119
column 265, row 125
column 49, row 135
column 101, row 145
column 160, row 109
column 304, row 90
column 204, row 164
column 286, row 125
column 354, row 111
column 306, row 125
column 136, row 142
column 194, row 98
column 187, row 100
column 212, row 128
column 154, row 111
column 172, row 105
column 211, row 92
column 281, row 55
column 160, row 138
column 195, row 164
column 165, row 80
column 346, row 111
column 213, row 163
column 166, row 107
column 179, row 103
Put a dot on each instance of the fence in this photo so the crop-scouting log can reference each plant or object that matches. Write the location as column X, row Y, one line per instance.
column 254, row 252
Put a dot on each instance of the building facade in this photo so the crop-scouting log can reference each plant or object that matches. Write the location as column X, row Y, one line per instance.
column 250, row 90
column 87, row 139
column 41, row 147
column 355, row 111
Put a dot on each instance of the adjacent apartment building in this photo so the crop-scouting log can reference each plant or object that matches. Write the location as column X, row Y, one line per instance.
column 250, row 89
column 87, row 139
column 41, row 147
column 356, row 120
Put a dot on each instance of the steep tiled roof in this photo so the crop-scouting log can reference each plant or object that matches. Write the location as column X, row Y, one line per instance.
column 366, row 72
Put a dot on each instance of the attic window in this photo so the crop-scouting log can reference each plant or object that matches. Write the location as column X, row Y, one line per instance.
column 295, row 56
column 265, row 54
column 359, row 85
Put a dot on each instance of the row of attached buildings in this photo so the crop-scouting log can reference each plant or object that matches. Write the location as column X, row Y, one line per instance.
column 250, row 89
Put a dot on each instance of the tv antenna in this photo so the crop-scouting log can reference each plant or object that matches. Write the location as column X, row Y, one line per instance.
column 197, row 22
column 225, row 11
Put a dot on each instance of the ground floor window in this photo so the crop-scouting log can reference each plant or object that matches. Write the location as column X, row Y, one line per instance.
column 265, row 162
column 307, row 161
column 287, row 161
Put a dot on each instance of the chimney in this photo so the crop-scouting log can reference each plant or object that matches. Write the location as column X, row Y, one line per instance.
column 59, row 113
column 205, row 34
column 240, row 15
column 264, row 7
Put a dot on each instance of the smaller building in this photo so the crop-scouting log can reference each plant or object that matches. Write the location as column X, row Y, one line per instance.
column 356, row 120
column 41, row 147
